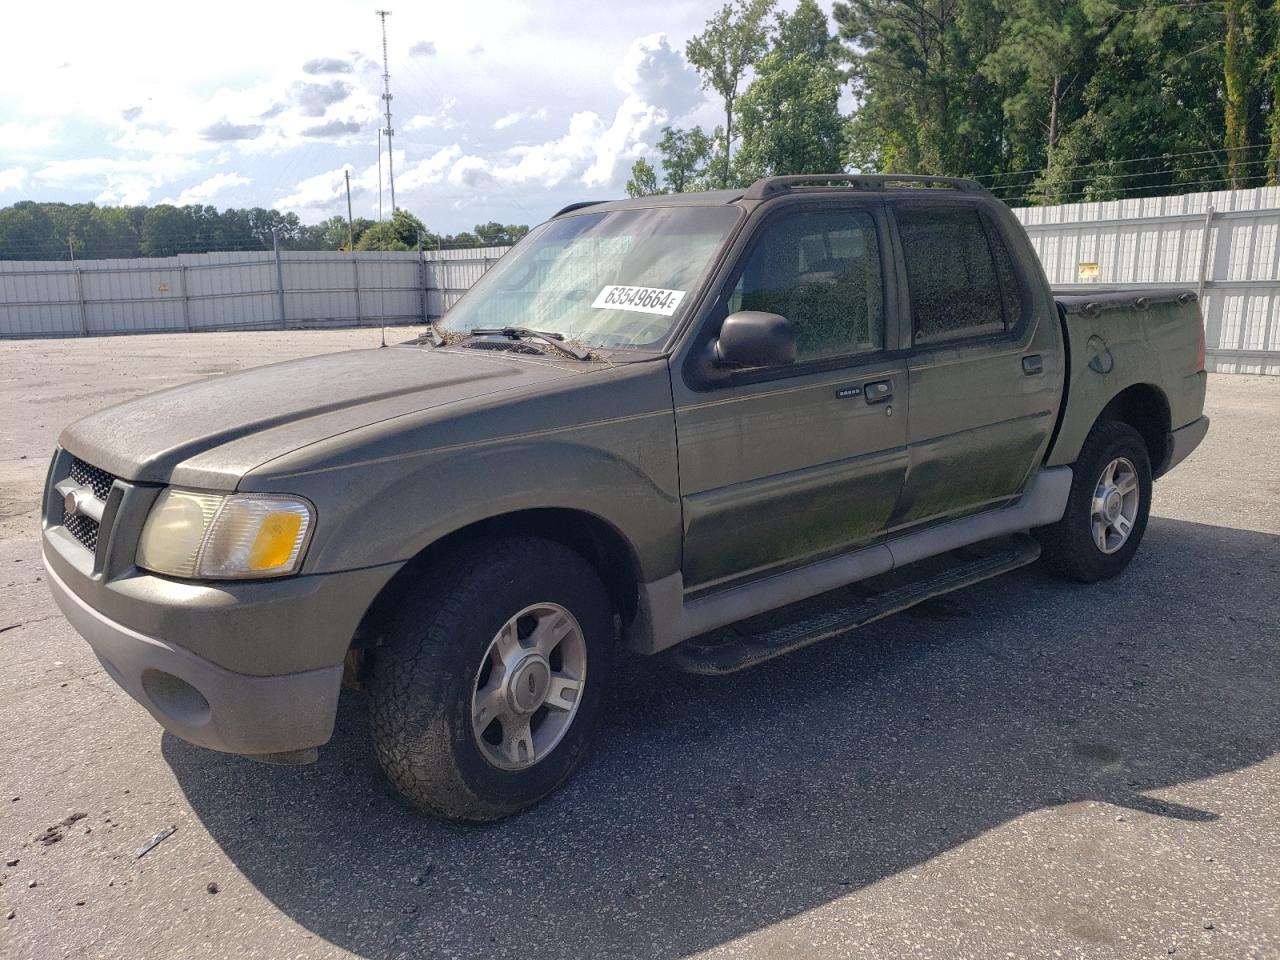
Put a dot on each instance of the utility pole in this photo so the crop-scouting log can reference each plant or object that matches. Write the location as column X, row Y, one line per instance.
column 389, row 131
column 351, row 230
column 275, row 246
column 379, row 175
column 75, row 268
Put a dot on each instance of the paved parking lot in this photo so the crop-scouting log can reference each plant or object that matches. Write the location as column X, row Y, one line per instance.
column 1025, row 769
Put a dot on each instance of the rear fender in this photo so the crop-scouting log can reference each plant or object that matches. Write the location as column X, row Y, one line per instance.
column 1111, row 352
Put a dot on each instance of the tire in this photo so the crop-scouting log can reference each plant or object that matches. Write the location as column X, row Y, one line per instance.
column 459, row 647
column 1071, row 547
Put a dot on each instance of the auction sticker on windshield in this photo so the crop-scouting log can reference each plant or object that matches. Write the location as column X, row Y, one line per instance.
column 639, row 299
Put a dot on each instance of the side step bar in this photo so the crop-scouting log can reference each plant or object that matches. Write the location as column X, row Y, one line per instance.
column 749, row 642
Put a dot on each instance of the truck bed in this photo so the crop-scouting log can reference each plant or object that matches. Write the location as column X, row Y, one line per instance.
column 1126, row 342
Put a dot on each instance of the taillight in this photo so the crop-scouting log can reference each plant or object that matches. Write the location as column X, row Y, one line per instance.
column 1200, row 351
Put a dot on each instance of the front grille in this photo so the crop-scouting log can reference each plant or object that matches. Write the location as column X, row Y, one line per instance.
column 85, row 529
column 90, row 476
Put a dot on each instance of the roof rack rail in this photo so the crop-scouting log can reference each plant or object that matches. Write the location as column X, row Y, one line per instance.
column 767, row 187
column 577, row 206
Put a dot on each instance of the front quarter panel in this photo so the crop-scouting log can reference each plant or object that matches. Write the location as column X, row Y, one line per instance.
column 603, row 444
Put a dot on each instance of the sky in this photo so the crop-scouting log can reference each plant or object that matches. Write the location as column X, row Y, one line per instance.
column 502, row 110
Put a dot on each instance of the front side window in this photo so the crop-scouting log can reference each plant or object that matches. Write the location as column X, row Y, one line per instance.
column 955, row 289
column 821, row 271
column 615, row 280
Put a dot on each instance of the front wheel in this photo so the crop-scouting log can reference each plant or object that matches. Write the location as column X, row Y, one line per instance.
column 1107, row 508
column 491, row 683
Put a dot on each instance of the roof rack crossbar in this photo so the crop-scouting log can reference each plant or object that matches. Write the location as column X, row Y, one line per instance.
column 577, row 206
column 774, row 186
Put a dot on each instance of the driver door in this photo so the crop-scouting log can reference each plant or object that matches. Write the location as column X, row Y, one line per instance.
column 785, row 465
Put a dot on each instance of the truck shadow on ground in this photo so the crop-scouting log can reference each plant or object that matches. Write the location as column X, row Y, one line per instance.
column 714, row 807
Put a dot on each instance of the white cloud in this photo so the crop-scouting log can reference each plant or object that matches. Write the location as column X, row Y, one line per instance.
column 319, row 191
column 318, row 65
column 119, row 180
column 656, row 74
column 427, row 172
column 206, row 190
column 443, row 119
column 659, row 87
column 118, row 115
column 13, row 178
column 29, row 137
column 511, row 119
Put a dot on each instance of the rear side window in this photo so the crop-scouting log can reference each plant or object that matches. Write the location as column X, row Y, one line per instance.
column 959, row 287
column 1010, row 289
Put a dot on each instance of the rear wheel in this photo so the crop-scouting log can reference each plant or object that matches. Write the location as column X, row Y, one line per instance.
column 486, row 695
column 1107, row 509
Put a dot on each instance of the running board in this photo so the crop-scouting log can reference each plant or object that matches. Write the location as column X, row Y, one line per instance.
column 761, row 638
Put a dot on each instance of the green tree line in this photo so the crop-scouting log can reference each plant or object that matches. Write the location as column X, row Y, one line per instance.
column 58, row 231
column 1045, row 101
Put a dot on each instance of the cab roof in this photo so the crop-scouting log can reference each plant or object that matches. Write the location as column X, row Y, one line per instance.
column 769, row 187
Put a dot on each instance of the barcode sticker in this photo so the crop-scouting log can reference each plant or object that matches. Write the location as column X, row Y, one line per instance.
column 639, row 299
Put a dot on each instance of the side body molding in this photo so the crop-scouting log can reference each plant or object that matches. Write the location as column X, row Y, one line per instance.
column 665, row 618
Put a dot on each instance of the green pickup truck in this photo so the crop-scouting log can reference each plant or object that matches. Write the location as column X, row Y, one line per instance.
column 652, row 422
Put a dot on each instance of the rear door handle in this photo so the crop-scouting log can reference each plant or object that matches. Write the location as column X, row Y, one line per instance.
column 878, row 391
column 1032, row 364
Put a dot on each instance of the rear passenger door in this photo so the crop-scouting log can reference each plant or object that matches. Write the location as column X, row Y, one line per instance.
column 785, row 464
column 981, row 408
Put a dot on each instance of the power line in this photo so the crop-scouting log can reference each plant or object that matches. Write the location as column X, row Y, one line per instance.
column 1120, row 179
column 1126, row 193
column 1104, row 163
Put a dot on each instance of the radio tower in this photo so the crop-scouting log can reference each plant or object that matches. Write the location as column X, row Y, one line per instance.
column 388, row 131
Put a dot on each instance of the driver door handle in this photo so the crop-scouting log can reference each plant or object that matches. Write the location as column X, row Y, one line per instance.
column 878, row 391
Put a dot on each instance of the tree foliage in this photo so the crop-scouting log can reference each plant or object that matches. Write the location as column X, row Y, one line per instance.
column 790, row 115
column 1061, row 100
column 686, row 159
column 644, row 180
column 732, row 41
column 54, row 231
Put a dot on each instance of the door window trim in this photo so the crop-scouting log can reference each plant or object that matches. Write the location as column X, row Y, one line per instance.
column 991, row 229
column 766, row 216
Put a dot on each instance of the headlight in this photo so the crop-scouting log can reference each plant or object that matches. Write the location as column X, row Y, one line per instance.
column 211, row 536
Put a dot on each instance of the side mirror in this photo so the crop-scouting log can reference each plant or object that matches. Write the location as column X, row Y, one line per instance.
column 750, row 338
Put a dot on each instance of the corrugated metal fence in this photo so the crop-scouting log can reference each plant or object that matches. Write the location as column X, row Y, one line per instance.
column 230, row 291
column 1225, row 244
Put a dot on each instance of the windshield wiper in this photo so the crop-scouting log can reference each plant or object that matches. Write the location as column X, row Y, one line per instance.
column 549, row 337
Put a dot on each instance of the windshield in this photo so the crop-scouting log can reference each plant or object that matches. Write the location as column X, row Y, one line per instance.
column 613, row 280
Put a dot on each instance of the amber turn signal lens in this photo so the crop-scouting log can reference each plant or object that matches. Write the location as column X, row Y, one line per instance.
column 277, row 536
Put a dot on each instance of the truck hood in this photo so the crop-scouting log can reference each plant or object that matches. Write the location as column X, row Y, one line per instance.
column 212, row 432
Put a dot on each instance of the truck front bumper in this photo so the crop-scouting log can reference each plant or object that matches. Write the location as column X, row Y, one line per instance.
column 198, row 700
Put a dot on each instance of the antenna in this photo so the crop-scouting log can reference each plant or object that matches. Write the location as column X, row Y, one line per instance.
column 388, row 131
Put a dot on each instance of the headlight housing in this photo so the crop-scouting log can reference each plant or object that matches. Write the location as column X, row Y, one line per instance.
column 210, row 536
